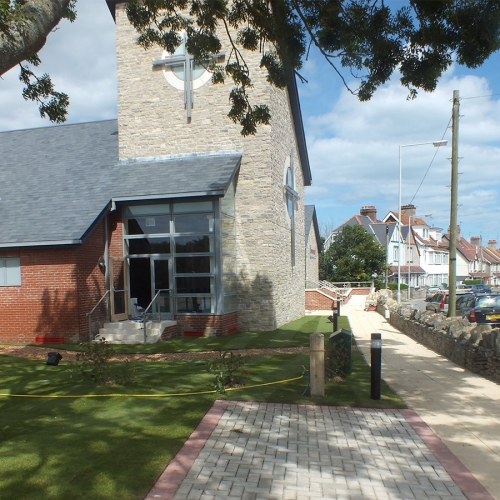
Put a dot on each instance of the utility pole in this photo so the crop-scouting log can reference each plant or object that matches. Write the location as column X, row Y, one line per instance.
column 452, row 273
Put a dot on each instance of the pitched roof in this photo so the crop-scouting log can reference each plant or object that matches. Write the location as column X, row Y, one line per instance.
column 356, row 220
column 405, row 219
column 56, row 181
column 312, row 221
column 384, row 231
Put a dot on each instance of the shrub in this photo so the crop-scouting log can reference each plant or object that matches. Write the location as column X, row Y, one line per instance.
column 94, row 363
column 471, row 282
column 394, row 286
column 337, row 359
column 226, row 368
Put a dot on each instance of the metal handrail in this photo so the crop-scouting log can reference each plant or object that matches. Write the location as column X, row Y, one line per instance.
column 89, row 314
column 145, row 312
column 342, row 288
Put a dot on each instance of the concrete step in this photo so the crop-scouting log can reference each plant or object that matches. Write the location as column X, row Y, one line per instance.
column 132, row 332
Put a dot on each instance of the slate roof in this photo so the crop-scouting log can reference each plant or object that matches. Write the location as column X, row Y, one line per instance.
column 384, row 231
column 312, row 221
column 56, row 181
column 357, row 220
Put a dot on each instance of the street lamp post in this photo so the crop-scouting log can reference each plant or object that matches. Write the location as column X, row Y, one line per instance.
column 436, row 144
column 410, row 260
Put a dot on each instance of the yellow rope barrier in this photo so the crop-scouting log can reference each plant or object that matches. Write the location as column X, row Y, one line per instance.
column 42, row 396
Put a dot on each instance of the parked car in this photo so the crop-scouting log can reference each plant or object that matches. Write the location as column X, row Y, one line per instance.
column 464, row 288
column 480, row 288
column 431, row 291
column 480, row 308
column 438, row 302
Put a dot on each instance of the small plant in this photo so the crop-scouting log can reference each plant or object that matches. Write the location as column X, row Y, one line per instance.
column 394, row 286
column 337, row 359
column 94, row 362
column 226, row 368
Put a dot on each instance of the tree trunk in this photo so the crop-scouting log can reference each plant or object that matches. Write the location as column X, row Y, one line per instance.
column 28, row 34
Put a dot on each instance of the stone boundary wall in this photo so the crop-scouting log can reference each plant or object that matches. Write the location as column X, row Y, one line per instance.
column 469, row 345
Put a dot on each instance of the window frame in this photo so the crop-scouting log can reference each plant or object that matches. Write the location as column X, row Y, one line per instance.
column 6, row 279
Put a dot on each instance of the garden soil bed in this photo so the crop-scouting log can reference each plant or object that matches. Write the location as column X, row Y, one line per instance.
column 31, row 352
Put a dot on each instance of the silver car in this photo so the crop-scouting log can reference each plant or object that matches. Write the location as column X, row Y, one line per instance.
column 438, row 302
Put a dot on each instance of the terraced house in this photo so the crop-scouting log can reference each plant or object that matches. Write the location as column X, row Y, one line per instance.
column 166, row 210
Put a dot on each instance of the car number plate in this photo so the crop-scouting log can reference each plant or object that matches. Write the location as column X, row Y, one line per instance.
column 493, row 316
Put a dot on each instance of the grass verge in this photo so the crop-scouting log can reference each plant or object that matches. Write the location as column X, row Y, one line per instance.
column 294, row 334
column 116, row 447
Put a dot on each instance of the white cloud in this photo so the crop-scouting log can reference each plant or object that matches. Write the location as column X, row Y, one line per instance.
column 80, row 58
column 353, row 146
column 354, row 153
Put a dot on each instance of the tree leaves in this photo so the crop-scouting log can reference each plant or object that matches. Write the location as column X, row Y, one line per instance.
column 362, row 39
column 41, row 90
column 355, row 256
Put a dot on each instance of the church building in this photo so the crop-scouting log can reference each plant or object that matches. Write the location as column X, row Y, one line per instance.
column 166, row 211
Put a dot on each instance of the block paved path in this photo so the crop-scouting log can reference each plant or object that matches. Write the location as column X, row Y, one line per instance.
column 252, row 451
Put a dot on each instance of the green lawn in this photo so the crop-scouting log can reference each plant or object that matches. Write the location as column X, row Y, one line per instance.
column 116, row 447
column 294, row 334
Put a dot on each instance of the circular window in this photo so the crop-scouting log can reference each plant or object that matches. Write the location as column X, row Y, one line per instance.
column 175, row 72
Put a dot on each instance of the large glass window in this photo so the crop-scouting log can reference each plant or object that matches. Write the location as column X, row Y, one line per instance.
column 194, row 244
column 200, row 284
column 185, row 233
column 149, row 225
column 185, row 265
column 194, row 223
column 145, row 246
column 195, row 305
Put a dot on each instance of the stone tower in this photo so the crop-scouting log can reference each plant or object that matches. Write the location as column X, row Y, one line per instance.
column 269, row 186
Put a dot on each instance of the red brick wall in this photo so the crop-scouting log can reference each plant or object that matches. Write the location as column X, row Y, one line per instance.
column 217, row 325
column 318, row 301
column 59, row 285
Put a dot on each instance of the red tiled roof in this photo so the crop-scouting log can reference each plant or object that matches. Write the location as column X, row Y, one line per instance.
column 404, row 269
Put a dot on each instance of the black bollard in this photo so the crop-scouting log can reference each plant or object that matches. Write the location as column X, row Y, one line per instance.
column 376, row 362
column 335, row 317
column 336, row 314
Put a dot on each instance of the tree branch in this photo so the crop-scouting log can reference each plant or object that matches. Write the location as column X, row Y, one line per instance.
column 25, row 33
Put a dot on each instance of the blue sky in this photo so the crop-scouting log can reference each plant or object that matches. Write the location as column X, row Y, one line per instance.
column 353, row 147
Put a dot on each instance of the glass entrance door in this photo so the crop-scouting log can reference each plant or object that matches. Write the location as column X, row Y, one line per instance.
column 161, row 285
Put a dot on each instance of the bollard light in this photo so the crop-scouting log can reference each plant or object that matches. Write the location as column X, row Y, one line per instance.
column 376, row 365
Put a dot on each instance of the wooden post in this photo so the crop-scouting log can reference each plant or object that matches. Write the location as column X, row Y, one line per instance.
column 317, row 361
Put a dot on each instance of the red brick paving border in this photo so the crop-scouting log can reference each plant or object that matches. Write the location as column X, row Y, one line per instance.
column 464, row 479
column 176, row 471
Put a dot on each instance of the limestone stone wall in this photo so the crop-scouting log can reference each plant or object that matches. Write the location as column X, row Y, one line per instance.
column 472, row 346
column 153, row 122
column 312, row 258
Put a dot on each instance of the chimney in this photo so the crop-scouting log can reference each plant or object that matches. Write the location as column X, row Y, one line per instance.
column 408, row 210
column 475, row 240
column 369, row 211
column 492, row 244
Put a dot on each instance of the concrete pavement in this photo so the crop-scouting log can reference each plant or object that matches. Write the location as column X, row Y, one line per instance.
column 272, row 451
column 462, row 408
